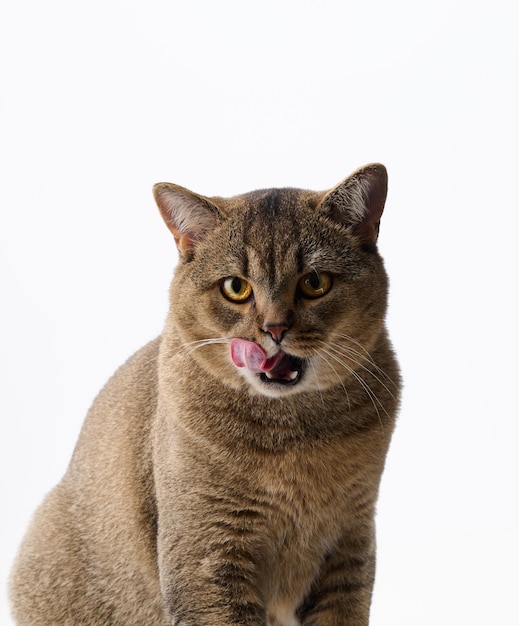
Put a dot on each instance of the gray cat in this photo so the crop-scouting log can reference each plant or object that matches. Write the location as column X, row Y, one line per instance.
column 228, row 472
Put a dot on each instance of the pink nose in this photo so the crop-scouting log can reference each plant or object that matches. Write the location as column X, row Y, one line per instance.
column 276, row 330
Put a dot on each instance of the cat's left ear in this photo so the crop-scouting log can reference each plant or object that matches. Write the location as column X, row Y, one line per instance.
column 188, row 215
column 358, row 201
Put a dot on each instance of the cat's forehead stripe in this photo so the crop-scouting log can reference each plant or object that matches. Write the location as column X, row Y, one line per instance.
column 273, row 262
column 273, row 232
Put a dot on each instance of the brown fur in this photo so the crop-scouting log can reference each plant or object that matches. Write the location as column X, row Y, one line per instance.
column 201, row 494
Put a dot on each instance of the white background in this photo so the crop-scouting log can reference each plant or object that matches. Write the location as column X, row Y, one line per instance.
column 100, row 100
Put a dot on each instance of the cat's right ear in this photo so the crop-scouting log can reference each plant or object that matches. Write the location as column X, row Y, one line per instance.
column 188, row 215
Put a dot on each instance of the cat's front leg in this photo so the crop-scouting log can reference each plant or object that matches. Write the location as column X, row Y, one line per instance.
column 208, row 579
column 341, row 596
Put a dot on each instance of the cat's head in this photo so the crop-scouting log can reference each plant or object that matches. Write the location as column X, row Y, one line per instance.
column 282, row 290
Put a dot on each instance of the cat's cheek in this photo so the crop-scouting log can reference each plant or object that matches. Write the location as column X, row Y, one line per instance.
column 231, row 319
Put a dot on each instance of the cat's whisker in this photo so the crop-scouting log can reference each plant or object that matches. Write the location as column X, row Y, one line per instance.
column 364, row 383
column 364, row 355
column 369, row 392
column 186, row 349
column 341, row 381
column 312, row 365
column 191, row 346
column 349, row 353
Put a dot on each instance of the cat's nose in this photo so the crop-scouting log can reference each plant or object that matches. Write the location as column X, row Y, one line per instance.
column 275, row 330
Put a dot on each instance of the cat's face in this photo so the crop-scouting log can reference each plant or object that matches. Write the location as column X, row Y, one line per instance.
column 280, row 289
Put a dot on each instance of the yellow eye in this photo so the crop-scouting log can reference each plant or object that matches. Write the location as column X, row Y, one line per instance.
column 236, row 289
column 315, row 284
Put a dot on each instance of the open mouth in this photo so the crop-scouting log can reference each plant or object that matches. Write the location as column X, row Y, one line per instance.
column 287, row 371
column 281, row 368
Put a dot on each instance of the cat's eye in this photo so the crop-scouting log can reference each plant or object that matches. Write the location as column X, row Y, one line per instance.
column 315, row 284
column 236, row 289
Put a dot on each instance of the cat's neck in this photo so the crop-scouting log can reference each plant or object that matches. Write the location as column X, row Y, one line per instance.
column 236, row 417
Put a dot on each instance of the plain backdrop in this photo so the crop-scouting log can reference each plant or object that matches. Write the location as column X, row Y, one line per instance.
column 100, row 100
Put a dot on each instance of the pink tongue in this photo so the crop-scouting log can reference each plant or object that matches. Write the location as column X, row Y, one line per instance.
column 251, row 355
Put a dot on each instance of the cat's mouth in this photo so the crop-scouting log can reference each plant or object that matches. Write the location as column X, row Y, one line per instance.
column 281, row 368
column 287, row 371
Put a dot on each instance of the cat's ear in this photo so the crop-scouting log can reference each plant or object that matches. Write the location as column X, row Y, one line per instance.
column 358, row 201
column 188, row 215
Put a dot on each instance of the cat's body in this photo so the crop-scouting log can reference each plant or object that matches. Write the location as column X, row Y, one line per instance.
column 228, row 472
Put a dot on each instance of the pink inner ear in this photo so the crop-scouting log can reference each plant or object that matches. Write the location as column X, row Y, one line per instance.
column 184, row 242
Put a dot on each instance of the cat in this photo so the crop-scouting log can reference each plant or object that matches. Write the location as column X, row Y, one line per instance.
column 228, row 472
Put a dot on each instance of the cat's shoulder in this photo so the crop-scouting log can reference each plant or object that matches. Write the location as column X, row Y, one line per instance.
column 134, row 383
